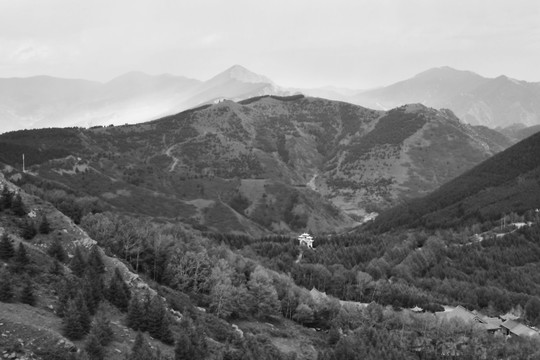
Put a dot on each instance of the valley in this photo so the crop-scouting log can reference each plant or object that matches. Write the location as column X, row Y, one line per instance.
column 177, row 237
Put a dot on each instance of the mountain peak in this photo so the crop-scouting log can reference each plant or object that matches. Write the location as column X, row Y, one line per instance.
column 445, row 71
column 240, row 73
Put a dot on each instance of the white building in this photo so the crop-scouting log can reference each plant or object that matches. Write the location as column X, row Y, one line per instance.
column 306, row 239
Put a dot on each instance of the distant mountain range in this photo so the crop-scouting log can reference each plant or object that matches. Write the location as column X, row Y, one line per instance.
column 265, row 164
column 43, row 101
column 135, row 97
column 499, row 102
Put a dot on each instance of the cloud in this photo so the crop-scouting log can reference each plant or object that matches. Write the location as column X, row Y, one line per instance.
column 211, row 39
column 31, row 52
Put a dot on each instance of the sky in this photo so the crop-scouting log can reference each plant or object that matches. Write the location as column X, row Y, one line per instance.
column 357, row 44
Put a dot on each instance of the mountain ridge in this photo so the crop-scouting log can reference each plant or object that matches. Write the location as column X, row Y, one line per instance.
column 283, row 163
column 136, row 97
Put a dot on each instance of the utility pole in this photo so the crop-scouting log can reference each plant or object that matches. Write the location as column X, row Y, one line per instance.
column 23, row 170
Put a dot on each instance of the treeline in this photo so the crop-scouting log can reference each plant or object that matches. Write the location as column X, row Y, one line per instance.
column 417, row 268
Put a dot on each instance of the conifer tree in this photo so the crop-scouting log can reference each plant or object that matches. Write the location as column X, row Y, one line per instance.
column 191, row 343
column 101, row 328
column 28, row 231
column 21, row 255
column 95, row 261
column 27, row 294
column 93, row 348
column 17, row 206
column 158, row 321
column 135, row 316
column 141, row 350
column 92, row 289
column 56, row 268
column 62, row 304
column 183, row 349
column 118, row 292
column 78, row 263
column 85, row 318
column 56, row 250
column 21, row 258
column 6, row 290
column 6, row 247
column 6, row 198
column 44, row 226
column 72, row 327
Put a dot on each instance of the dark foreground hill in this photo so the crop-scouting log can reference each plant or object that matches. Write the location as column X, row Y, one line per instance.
column 507, row 182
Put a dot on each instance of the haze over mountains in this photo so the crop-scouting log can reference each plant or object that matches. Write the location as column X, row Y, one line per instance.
column 44, row 101
column 135, row 97
column 498, row 102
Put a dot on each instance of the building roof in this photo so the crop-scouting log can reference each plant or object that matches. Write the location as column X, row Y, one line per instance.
column 519, row 329
column 461, row 313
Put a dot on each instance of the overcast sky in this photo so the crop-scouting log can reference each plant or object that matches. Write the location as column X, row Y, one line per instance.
column 306, row 43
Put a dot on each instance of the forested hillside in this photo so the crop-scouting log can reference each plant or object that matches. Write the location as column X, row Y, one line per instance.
column 507, row 182
column 237, row 297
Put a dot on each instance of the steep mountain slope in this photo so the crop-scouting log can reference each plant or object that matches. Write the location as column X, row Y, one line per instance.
column 477, row 100
column 37, row 330
column 264, row 164
column 507, row 182
column 134, row 97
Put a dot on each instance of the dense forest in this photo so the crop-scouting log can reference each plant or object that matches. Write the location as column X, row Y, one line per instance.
column 349, row 295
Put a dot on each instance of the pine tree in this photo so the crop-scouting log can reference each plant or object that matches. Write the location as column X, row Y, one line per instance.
column 135, row 316
column 78, row 263
column 56, row 250
column 101, row 328
column 17, row 206
column 56, row 268
column 44, row 226
column 158, row 321
column 92, row 289
column 85, row 318
column 6, row 290
column 118, row 292
column 62, row 304
column 191, row 343
column 72, row 327
column 6, row 198
column 95, row 261
column 93, row 348
column 27, row 294
column 183, row 349
column 28, row 230
column 6, row 247
column 21, row 258
column 141, row 350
